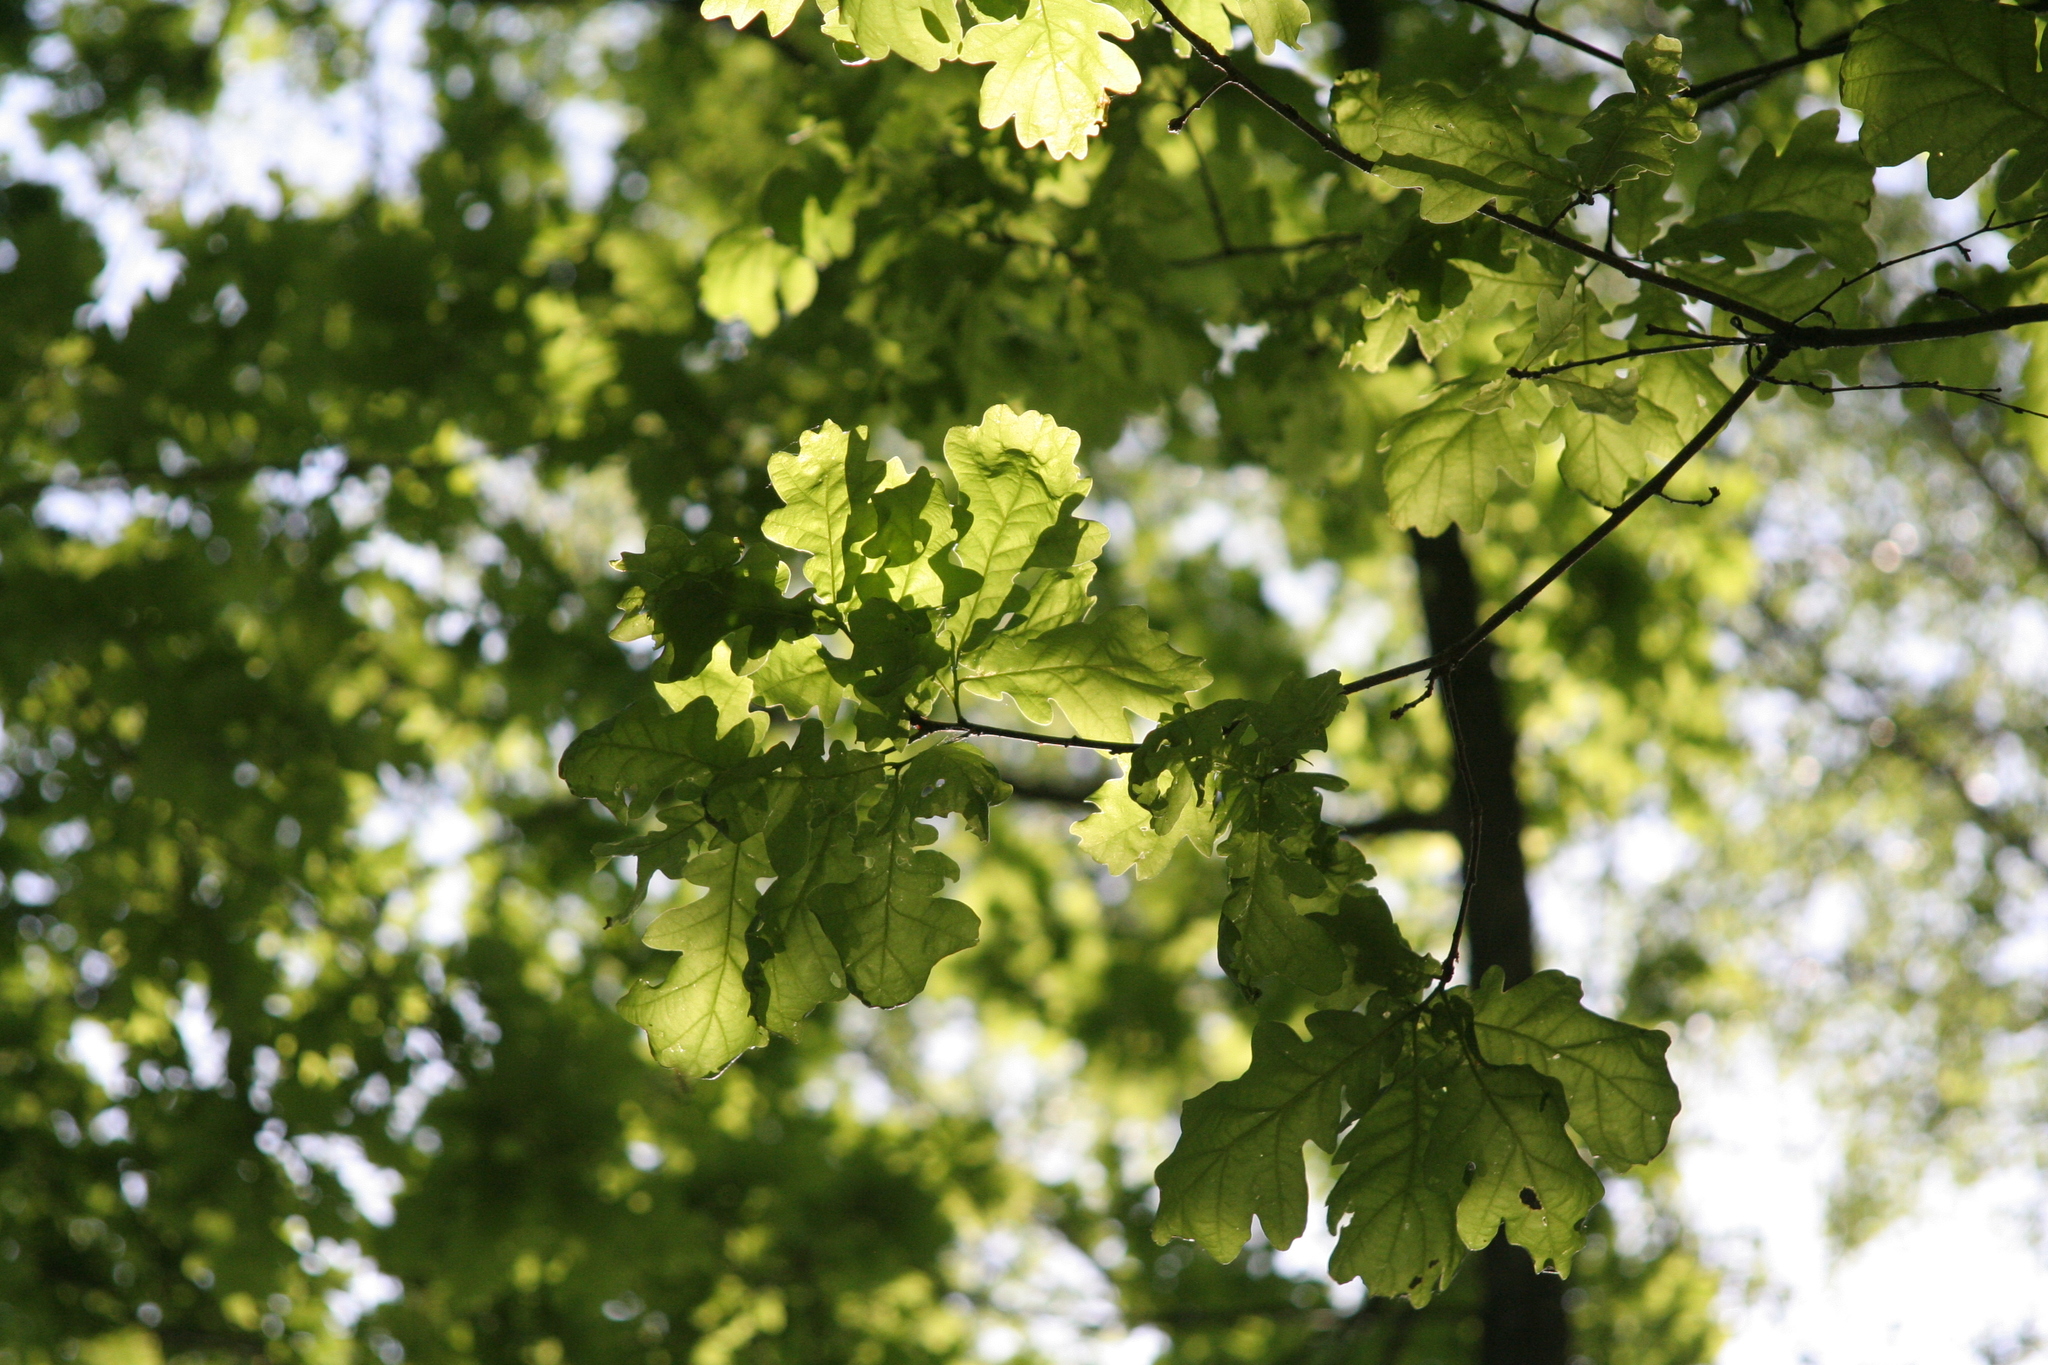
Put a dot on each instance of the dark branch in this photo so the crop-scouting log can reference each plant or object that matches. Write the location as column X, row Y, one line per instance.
column 925, row 725
column 1719, row 91
column 1946, row 329
column 1635, row 270
column 1447, row 659
column 1556, row 35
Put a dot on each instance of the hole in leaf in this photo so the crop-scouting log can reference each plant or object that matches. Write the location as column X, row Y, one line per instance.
column 1529, row 1198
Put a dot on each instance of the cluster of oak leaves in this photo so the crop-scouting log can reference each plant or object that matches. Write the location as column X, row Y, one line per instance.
column 799, row 751
column 1448, row 1109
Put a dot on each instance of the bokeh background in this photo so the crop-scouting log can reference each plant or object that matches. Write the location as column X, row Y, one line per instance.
column 342, row 346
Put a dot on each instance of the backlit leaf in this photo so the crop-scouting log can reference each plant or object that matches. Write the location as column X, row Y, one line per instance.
column 1956, row 79
column 1053, row 72
column 1239, row 1154
column 1613, row 1074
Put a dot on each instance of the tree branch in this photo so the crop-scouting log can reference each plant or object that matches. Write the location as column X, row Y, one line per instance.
column 1556, row 35
column 1881, row 266
column 1449, row 658
column 1981, row 395
column 925, row 725
column 1704, row 344
column 1719, row 91
column 1945, row 329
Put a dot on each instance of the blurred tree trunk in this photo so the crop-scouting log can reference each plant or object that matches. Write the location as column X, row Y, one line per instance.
column 1524, row 1321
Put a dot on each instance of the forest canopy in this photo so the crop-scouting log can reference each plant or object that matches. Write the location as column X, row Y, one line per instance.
column 930, row 681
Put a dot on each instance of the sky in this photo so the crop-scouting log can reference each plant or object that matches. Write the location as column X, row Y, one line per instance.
column 1961, row 1279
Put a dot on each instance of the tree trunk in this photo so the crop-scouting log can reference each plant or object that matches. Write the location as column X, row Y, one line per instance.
column 1524, row 1315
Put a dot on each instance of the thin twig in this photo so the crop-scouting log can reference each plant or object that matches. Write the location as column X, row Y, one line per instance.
column 1956, row 242
column 1946, row 329
column 925, row 725
column 1475, row 818
column 1179, row 123
column 1215, row 201
column 1713, row 496
column 1449, row 657
column 1635, row 270
column 1981, row 395
column 1556, row 35
column 1705, row 344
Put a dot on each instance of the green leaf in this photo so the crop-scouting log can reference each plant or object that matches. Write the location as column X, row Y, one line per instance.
column 757, row 280
column 1445, row 462
column 630, row 761
column 666, row 850
column 694, row 593
column 894, row 653
column 2029, row 248
column 1053, row 73
column 952, row 778
column 912, row 543
column 794, row 676
column 890, row 924
column 1633, row 135
column 1355, row 104
column 1621, row 1094
column 732, row 694
column 1509, row 1122
column 1464, row 150
column 1095, row 669
column 1400, row 1186
column 1272, row 21
column 1816, row 193
column 1956, row 79
column 1016, row 472
column 781, row 13
column 699, row 1019
column 1276, row 937
column 802, row 973
column 1604, row 459
column 1239, row 1153
column 826, row 487
column 925, row 32
column 1364, row 928
column 1122, row 834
